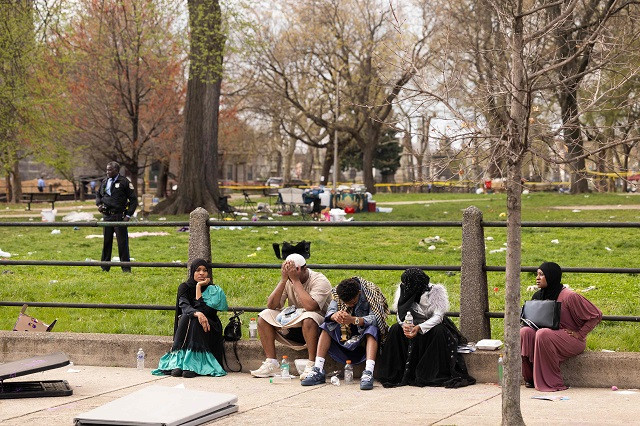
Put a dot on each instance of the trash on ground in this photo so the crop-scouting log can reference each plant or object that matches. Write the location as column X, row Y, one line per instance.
column 79, row 217
column 56, row 231
column 551, row 397
column 4, row 254
column 556, row 241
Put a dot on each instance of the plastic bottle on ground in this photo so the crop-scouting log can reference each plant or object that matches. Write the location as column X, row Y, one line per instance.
column 348, row 373
column 500, row 370
column 280, row 379
column 253, row 329
column 335, row 381
column 140, row 359
column 284, row 366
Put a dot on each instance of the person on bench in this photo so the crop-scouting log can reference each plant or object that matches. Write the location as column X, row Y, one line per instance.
column 308, row 294
column 197, row 331
column 425, row 353
column 354, row 328
column 543, row 350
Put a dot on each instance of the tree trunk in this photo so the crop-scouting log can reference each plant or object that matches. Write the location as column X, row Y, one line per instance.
column 511, row 413
column 163, row 179
column 326, row 165
column 368, row 152
column 198, row 185
column 9, row 194
column 17, row 182
column 572, row 139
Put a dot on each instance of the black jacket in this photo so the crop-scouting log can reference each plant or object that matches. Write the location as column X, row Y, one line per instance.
column 123, row 198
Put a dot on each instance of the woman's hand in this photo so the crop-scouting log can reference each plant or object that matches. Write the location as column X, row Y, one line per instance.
column 573, row 333
column 204, row 322
column 410, row 331
column 204, row 282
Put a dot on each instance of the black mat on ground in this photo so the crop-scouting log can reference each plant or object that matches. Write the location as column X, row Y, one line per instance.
column 33, row 389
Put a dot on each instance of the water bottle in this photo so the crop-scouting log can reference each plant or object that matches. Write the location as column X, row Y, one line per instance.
column 280, row 379
column 500, row 370
column 348, row 373
column 253, row 329
column 408, row 319
column 284, row 366
column 335, row 381
column 140, row 359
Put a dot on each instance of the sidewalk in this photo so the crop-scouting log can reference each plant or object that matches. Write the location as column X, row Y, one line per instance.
column 263, row 403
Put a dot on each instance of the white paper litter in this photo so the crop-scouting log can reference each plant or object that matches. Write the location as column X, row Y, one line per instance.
column 79, row 217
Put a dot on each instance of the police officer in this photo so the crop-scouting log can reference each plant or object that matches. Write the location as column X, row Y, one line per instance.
column 116, row 200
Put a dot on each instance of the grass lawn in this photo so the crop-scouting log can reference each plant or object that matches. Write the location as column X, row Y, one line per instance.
column 614, row 294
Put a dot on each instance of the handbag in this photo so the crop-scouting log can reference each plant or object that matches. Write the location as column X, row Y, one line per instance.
column 541, row 314
column 232, row 333
column 303, row 248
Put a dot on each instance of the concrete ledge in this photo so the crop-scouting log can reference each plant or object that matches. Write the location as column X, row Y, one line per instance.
column 590, row 369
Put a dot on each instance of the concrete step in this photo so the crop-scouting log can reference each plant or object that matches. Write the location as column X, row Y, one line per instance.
column 590, row 369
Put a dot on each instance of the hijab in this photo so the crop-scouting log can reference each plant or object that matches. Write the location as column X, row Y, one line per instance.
column 188, row 288
column 553, row 274
column 414, row 283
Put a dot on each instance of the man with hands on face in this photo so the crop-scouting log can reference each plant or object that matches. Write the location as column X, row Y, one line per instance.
column 307, row 294
column 354, row 328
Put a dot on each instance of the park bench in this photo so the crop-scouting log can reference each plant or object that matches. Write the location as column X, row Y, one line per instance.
column 40, row 197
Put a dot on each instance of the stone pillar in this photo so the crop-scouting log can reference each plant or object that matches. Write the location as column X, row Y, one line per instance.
column 474, row 297
column 199, row 235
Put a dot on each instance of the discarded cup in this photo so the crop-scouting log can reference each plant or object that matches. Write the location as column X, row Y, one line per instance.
column 335, row 381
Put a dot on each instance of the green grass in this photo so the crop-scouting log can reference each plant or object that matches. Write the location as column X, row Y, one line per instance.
column 615, row 294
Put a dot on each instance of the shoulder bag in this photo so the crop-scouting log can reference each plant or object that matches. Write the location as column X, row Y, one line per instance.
column 232, row 333
column 541, row 314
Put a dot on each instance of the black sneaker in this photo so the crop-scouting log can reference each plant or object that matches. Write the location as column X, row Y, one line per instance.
column 315, row 377
column 366, row 381
column 188, row 374
column 176, row 372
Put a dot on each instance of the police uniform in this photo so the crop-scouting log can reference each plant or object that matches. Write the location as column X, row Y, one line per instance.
column 118, row 201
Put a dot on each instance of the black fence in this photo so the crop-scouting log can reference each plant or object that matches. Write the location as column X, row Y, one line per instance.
column 222, row 223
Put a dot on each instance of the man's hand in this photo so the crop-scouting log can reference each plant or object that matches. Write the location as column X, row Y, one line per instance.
column 341, row 317
column 204, row 322
column 285, row 269
column 102, row 208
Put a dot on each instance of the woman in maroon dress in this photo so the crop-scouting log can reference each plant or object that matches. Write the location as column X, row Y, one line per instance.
column 543, row 350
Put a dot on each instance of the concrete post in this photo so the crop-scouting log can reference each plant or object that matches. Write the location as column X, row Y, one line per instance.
column 199, row 235
column 474, row 297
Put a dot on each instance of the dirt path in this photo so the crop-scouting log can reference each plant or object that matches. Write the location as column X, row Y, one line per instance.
column 401, row 203
column 600, row 207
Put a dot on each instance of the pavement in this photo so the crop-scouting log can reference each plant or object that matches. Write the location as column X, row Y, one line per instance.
column 261, row 402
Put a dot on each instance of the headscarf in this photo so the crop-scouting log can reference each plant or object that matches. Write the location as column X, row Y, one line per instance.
column 188, row 288
column 553, row 274
column 414, row 283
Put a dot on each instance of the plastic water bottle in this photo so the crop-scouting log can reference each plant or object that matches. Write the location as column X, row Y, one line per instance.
column 253, row 329
column 280, row 379
column 140, row 359
column 500, row 370
column 284, row 366
column 335, row 381
column 348, row 373
column 408, row 319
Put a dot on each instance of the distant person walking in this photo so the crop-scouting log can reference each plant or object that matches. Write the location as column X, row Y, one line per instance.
column 41, row 184
column 116, row 200
column 92, row 184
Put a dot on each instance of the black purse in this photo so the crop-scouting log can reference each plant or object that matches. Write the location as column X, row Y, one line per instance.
column 232, row 333
column 303, row 248
column 541, row 314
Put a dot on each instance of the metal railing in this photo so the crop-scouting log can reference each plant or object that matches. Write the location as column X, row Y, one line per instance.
column 363, row 224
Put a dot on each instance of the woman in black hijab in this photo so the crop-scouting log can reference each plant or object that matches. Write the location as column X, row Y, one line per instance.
column 543, row 350
column 197, row 331
column 424, row 354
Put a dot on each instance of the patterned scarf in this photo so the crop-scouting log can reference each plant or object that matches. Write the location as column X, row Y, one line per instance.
column 377, row 302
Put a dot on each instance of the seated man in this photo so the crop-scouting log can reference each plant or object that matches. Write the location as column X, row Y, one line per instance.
column 308, row 294
column 355, row 326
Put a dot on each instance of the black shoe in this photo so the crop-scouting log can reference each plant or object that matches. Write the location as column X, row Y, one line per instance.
column 528, row 385
column 176, row 372
column 188, row 374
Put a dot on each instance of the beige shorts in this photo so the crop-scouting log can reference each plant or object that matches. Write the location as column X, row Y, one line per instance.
column 269, row 315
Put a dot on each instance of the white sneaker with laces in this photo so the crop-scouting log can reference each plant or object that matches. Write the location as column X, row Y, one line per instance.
column 267, row 369
column 307, row 369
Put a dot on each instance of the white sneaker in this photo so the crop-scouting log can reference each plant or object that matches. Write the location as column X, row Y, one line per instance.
column 267, row 369
column 307, row 369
